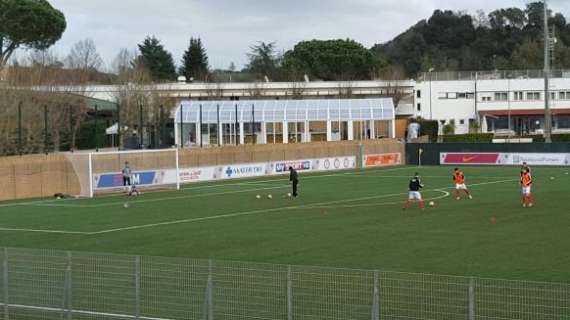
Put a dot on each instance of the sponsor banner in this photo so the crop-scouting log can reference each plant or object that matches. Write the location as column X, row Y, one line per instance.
column 337, row 163
column 197, row 174
column 382, row 160
column 538, row 159
column 242, row 171
column 470, row 158
column 200, row 174
column 142, row 178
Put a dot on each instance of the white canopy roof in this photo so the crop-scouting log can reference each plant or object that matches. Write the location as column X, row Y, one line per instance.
column 286, row 110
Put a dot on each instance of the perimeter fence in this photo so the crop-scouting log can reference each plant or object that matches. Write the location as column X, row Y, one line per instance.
column 41, row 284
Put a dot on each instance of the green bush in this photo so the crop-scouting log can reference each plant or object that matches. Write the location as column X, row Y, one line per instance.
column 565, row 137
column 469, row 138
column 429, row 128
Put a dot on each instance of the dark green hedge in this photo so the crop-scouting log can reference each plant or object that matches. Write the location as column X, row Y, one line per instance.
column 429, row 128
column 469, row 138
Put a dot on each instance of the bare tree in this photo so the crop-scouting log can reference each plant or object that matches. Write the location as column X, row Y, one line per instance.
column 84, row 55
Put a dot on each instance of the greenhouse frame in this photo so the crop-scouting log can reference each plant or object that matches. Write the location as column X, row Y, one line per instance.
column 199, row 123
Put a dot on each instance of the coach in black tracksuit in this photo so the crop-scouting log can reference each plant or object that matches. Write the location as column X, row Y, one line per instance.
column 294, row 178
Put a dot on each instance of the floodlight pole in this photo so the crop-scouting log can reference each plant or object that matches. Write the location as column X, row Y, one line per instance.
column 547, row 115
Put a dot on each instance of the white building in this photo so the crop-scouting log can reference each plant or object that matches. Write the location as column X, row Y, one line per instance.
column 507, row 100
column 511, row 101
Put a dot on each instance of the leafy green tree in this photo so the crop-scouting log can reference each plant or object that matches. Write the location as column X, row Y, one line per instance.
column 30, row 24
column 331, row 60
column 156, row 60
column 449, row 41
column 264, row 60
column 195, row 61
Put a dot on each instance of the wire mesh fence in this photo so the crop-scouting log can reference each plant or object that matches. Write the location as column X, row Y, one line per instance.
column 44, row 284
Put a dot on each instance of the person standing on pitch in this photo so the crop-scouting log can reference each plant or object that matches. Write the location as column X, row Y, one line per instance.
column 127, row 172
column 526, row 183
column 415, row 185
column 294, row 178
column 459, row 179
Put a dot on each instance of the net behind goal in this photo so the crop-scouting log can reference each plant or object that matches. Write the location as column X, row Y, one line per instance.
column 101, row 172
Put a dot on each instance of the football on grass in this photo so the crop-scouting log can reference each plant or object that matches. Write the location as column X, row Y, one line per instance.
column 431, row 203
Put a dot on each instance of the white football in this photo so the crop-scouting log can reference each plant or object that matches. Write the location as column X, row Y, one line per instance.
column 125, row 205
column 258, row 196
column 431, row 203
column 289, row 195
column 269, row 196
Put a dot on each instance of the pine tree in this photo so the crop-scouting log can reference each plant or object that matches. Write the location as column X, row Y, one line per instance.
column 195, row 61
column 156, row 59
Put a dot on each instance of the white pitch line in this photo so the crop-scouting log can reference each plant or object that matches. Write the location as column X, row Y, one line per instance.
column 445, row 194
column 52, row 203
column 82, row 312
column 217, row 185
column 246, row 213
column 237, row 214
column 192, row 196
column 44, row 231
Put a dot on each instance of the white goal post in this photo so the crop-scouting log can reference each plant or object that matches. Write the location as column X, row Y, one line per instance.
column 101, row 172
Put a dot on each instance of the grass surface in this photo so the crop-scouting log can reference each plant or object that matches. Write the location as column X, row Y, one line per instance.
column 348, row 219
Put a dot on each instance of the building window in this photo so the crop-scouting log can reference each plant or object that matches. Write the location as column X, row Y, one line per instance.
column 461, row 121
column 501, row 96
column 533, row 96
column 469, row 95
column 419, row 107
column 419, row 94
column 553, row 96
column 442, row 122
column 518, row 95
column 486, row 99
column 564, row 95
column 451, row 95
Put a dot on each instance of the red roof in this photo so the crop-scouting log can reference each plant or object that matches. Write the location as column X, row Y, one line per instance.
column 526, row 112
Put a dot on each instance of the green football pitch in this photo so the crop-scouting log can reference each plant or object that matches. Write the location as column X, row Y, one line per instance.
column 344, row 219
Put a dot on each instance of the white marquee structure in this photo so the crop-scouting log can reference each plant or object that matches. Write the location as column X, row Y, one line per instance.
column 283, row 121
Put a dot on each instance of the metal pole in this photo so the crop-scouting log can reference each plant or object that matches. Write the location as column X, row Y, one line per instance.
column 137, row 287
column 95, row 129
column 289, row 294
column 220, row 131
column 162, row 127
column 210, row 292
column 430, row 98
column 68, row 295
column 236, row 126
column 253, row 123
column 119, row 126
column 6, row 285
column 376, row 299
column 45, row 129
column 71, row 146
column 20, row 128
column 181, row 126
column 471, row 299
column 547, row 115
column 200, row 131
column 509, row 101
column 141, row 141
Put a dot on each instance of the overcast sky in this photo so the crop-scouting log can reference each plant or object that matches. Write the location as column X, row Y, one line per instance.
column 229, row 27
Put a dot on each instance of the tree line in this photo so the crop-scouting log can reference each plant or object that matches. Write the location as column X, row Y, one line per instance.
column 507, row 38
